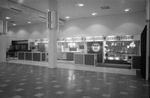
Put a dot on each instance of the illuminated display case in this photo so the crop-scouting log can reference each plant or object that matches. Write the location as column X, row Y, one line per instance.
column 121, row 51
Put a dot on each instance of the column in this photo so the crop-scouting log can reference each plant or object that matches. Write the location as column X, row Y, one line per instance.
column 148, row 40
column 3, row 30
column 53, row 28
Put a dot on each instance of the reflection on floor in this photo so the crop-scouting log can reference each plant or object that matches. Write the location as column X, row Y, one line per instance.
column 28, row 81
column 71, row 65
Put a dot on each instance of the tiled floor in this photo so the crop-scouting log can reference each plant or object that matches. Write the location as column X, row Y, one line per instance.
column 71, row 65
column 27, row 81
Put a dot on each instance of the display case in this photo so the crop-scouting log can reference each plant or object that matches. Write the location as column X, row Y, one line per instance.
column 121, row 52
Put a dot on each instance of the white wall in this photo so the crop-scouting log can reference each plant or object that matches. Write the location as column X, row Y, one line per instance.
column 31, row 31
column 122, row 24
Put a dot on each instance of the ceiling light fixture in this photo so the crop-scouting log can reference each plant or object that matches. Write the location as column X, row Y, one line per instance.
column 80, row 4
column 67, row 17
column 126, row 10
column 14, row 24
column 94, row 14
column 8, row 17
column 20, row 1
column 28, row 22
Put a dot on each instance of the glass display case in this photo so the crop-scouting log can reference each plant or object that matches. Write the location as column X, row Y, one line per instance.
column 121, row 51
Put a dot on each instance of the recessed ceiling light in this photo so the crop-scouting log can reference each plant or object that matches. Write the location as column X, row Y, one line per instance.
column 14, row 24
column 94, row 14
column 28, row 22
column 80, row 4
column 20, row 1
column 126, row 10
column 67, row 17
column 8, row 17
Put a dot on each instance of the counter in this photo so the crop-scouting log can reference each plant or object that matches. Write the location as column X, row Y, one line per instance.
column 85, row 59
column 69, row 56
column 136, row 62
column 32, row 56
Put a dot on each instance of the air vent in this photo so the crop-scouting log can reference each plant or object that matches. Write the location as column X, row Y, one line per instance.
column 105, row 7
column 16, row 10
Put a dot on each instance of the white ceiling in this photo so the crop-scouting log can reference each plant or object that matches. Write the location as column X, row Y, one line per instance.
column 69, row 8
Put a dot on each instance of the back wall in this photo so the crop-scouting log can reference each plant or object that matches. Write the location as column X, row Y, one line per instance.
column 122, row 24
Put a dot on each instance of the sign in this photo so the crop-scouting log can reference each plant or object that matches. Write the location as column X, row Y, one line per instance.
column 112, row 38
column 22, row 42
column 78, row 39
column 96, row 47
column 52, row 20
column 126, row 38
column 98, row 38
column 61, row 40
column 69, row 39
column 89, row 39
column 45, row 40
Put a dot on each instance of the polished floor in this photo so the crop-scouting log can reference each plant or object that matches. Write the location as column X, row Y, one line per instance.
column 28, row 81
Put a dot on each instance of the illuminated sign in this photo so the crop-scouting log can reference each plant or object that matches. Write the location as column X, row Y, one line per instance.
column 22, row 42
column 61, row 40
column 69, row 39
column 78, row 39
column 89, row 39
column 98, row 38
column 126, row 37
column 112, row 38
column 96, row 47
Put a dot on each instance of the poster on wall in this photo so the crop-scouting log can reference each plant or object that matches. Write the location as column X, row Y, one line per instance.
column 96, row 48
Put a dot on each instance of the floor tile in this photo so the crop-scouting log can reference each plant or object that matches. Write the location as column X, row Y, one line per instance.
column 106, row 95
column 56, row 86
column 78, row 90
column 17, row 96
column 39, row 95
column 3, row 85
column 59, row 92
column 124, row 93
column 131, row 86
column 7, row 80
column 86, row 97
column 39, row 87
column 38, row 82
column 95, row 88
column 21, row 83
column 1, row 91
column 19, row 89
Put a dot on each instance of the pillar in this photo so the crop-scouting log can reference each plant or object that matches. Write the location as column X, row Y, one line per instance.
column 53, row 27
column 148, row 40
column 3, row 30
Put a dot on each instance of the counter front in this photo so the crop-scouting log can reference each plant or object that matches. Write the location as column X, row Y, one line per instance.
column 32, row 56
column 85, row 59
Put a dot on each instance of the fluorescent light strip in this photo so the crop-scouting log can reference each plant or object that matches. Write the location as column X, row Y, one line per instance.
column 67, row 17
column 28, row 22
column 94, row 14
column 80, row 4
column 8, row 17
column 14, row 24
column 126, row 10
